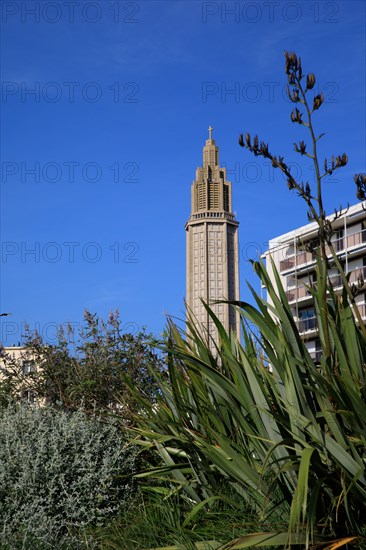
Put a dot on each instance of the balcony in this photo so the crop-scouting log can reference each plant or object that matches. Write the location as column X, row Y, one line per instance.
column 356, row 239
column 300, row 259
column 341, row 244
column 357, row 276
column 213, row 214
column 298, row 293
column 316, row 355
column 362, row 310
column 305, row 325
column 336, row 280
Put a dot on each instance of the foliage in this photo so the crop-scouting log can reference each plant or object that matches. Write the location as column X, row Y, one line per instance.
column 59, row 473
column 94, row 376
column 155, row 521
column 285, row 434
column 290, row 440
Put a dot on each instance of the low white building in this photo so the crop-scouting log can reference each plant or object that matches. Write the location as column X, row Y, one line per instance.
column 20, row 362
column 295, row 264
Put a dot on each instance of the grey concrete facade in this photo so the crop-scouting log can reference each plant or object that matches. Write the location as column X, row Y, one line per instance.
column 212, row 244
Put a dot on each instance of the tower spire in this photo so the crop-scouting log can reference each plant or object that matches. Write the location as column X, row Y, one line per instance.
column 210, row 151
column 212, row 245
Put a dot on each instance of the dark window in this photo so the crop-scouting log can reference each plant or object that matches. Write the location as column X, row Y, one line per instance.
column 28, row 367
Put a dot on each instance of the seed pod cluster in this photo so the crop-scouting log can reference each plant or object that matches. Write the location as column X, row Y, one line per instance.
column 310, row 81
column 360, row 181
column 296, row 116
column 318, row 100
column 300, row 148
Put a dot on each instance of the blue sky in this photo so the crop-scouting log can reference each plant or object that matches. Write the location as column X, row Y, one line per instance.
column 97, row 163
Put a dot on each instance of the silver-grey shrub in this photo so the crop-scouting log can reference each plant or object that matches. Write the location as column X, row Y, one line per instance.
column 59, row 473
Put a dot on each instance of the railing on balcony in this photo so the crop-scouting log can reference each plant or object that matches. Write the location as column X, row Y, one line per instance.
column 300, row 258
column 305, row 257
column 316, row 355
column 297, row 293
column 304, row 325
column 336, row 280
column 344, row 243
column 310, row 323
column 362, row 309
column 357, row 276
column 356, row 238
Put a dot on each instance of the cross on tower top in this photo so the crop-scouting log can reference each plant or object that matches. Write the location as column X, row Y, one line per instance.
column 210, row 132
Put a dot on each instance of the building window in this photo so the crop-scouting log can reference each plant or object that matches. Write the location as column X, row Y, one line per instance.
column 28, row 367
column 28, row 396
column 339, row 244
column 306, row 319
column 226, row 198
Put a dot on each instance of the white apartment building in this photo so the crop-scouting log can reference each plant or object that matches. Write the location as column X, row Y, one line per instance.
column 295, row 264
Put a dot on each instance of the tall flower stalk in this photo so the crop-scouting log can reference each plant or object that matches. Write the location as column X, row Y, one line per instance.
column 298, row 89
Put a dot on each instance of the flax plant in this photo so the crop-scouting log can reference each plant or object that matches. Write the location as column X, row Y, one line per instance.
column 260, row 422
column 290, row 440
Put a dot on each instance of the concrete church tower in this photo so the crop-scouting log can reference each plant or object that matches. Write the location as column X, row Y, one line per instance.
column 212, row 244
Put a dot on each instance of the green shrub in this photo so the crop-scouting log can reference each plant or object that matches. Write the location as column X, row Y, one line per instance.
column 59, row 473
column 89, row 373
column 154, row 522
column 289, row 440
